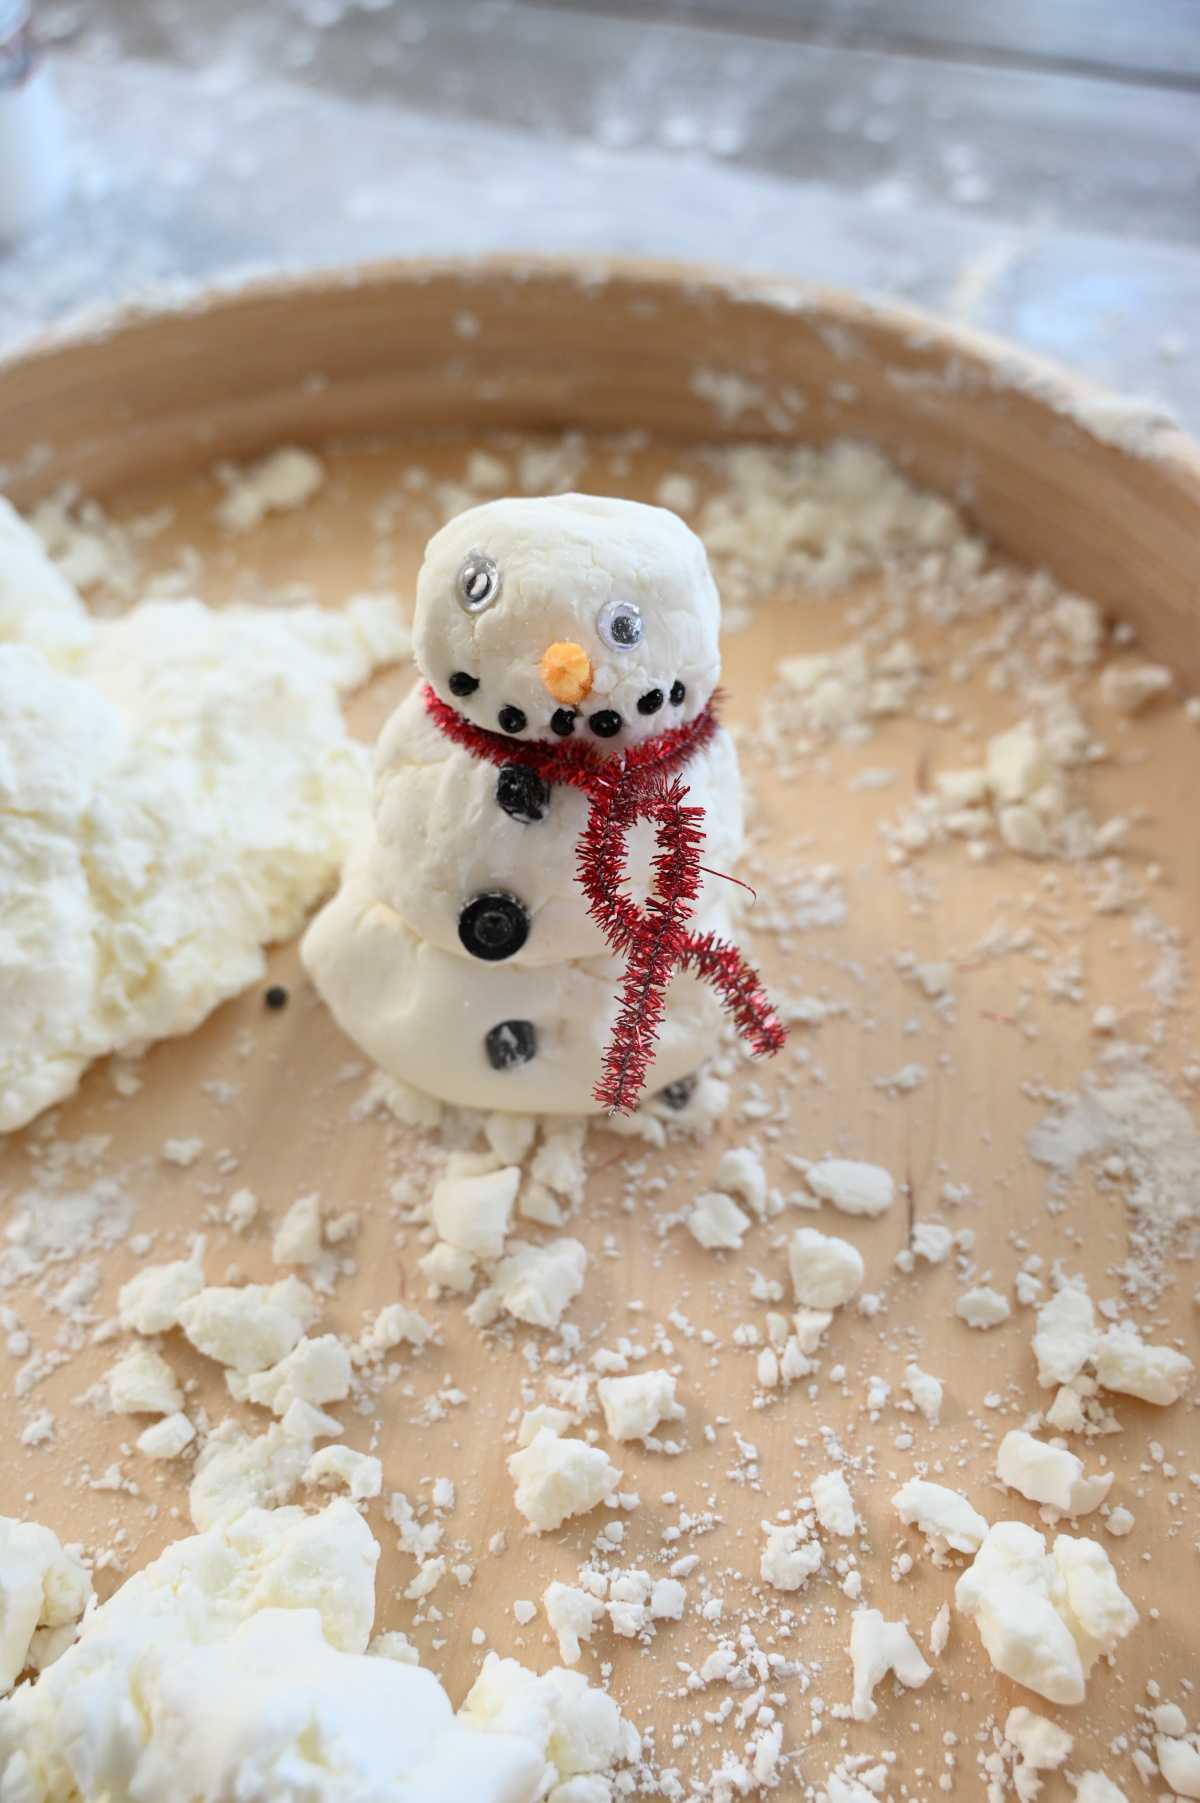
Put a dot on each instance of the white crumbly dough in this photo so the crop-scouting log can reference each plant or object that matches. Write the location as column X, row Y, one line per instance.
column 387, row 953
column 142, row 1383
column 533, row 1420
column 790, row 1556
column 315, row 1370
column 249, row 1327
column 358, row 1472
column 394, row 1325
column 235, row 1666
column 1049, row 1474
column 852, row 1187
column 556, row 1478
column 41, row 1587
column 926, row 1391
column 946, row 1519
column 178, row 798
column 278, row 483
column 535, row 1284
column 740, row 1174
column 1179, row 1763
column 150, row 1302
column 474, row 1213
column 1044, row 1617
column 939, row 1631
column 1125, row 1363
column 38, row 606
column 1095, row 1787
column 579, row 1732
column 1064, row 1340
column 834, row 1504
column 635, row 1405
column 982, row 1307
column 168, row 1438
column 878, row 1647
column 826, row 1271
column 297, row 1238
column 1041, row 1743
column 237, row 1471
column 716, row 1222
column 572, row 1614
column 1067, row 1339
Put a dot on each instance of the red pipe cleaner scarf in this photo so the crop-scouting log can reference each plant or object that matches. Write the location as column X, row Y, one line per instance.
column 641, row 784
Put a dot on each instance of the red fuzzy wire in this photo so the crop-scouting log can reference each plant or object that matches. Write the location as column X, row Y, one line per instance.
column 653, row 939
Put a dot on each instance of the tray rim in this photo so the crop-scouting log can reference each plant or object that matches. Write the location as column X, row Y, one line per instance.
column 1046, row 380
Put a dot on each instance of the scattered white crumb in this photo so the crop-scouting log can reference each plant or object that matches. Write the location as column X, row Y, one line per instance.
column 852, row 1187
column 946, row 1519
column 633, row 1406
column 556, row 1478
column 167, row 1438
column 142, row 1383
column 834, row 1504
column 982, row 1307
column 826, row 1271
column 1049, row 1474
column 150, row 1302
column 926, row 1391
column 716, row 1222
column 248, row 1327
column 878, row 1647
column 298, row 1237
column 474, row 1212
column 790, row 1556
column 278, row 483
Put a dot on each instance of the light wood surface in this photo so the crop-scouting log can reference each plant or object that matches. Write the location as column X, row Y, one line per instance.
column 139, row 417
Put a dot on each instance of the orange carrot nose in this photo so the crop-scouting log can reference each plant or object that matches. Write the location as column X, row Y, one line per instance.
column 566, row 670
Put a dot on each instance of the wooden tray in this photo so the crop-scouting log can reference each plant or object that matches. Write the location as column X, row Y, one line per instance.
column 391, row 366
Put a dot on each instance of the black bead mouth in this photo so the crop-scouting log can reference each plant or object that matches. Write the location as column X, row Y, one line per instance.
column 461, row 683
column 562, row 721
column 650, row 702
column 511, row 719
column 678, row 692
column 606, row 724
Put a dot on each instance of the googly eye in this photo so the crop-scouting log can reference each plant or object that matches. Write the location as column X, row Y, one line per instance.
column 478, row 583
column 619, row 624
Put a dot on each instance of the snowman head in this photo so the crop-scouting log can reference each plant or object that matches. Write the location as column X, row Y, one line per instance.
column 569, row 616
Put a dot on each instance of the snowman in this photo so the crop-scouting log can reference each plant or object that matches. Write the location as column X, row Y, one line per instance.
column 528, row 924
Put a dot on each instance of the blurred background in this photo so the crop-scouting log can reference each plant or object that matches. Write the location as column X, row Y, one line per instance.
column 1029, row 166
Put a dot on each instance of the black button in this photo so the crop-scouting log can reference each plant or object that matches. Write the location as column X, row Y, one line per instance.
column 493, row 926
column 522, row 794
column 462, row 684
column 677, row 692
column 677, row 1095
column 650, row 702
column 510, row 1043
column 562, row 721
column 606, row 724
column 511, row 719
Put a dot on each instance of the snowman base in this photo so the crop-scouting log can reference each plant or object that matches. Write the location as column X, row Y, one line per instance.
column 508, row 1036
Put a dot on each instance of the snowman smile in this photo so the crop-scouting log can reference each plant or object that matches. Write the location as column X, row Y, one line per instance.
column 570, row 685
